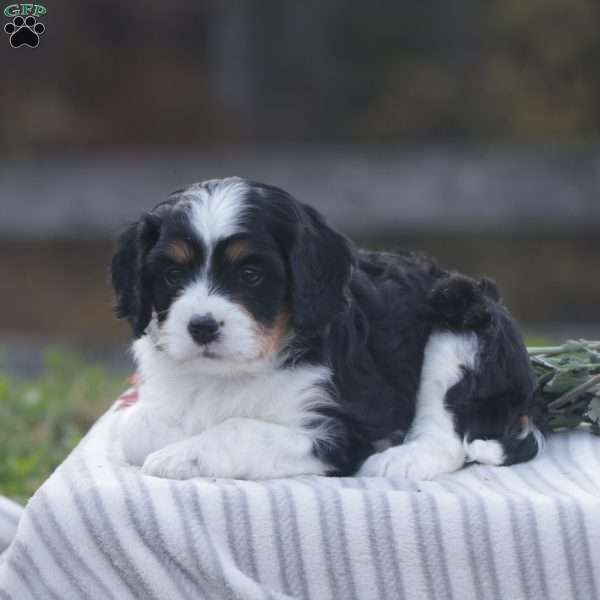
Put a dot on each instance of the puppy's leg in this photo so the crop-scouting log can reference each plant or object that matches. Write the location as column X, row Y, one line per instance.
column 432, row 446
column 495, row 412
column 143, row 431
column 238, row 448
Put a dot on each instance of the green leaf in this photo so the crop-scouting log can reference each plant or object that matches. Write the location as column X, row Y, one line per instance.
column 563, row 381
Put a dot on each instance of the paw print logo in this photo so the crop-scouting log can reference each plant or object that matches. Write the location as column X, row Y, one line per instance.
column 24, row 32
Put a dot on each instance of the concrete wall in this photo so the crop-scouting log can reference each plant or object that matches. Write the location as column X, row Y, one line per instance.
column 366, row 193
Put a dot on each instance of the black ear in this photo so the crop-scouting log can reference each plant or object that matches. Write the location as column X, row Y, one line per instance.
column 320, row 263
column 133, row 298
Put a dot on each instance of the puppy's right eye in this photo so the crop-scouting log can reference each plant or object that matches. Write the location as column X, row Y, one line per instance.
column 172, row 277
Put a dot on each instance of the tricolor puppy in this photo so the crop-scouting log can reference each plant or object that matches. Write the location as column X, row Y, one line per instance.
column 268, row 346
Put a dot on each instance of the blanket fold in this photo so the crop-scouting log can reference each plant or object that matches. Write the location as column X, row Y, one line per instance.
column 10, row 513
column 99, row 529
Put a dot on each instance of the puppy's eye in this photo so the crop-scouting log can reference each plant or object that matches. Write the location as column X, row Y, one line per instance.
column 172, row 277
column 251, row 275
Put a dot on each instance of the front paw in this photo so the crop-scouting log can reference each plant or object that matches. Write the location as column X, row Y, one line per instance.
column 171, row 463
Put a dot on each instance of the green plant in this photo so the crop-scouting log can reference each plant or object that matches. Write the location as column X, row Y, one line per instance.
column 41, row 420
column 569, row 383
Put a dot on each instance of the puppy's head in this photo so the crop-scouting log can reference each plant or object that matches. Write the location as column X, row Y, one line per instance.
column 226, row 272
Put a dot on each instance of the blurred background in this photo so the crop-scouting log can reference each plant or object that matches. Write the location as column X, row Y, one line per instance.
column 468, row 130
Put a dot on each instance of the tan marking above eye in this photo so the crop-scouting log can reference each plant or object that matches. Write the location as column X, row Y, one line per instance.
column 180, row 252
column 238, row 250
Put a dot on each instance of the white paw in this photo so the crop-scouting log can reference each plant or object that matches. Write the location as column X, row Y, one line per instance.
column 486, row 452
column 199, row 456
column 171, row 463
column 414, row 460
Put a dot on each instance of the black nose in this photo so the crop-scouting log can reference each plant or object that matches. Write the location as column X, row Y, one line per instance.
column 203, row 329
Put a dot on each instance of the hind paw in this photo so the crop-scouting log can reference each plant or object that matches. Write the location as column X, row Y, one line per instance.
column 414, row 460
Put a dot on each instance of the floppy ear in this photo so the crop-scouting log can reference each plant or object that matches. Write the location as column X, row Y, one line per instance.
column 320, row 263
column 133, row 299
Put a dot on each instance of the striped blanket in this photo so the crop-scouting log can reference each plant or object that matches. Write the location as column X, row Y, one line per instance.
column 98, row 529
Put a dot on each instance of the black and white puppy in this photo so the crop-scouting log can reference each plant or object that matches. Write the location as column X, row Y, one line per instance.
column 268, row 346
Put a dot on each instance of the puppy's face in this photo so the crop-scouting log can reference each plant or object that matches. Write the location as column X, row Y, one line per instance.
column 219, row 289
column 220, row 275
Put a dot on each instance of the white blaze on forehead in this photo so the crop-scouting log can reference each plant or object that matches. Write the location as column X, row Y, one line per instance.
column 217, row 208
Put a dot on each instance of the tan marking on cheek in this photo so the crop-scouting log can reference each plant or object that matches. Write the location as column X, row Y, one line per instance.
column 180, row 252
column 524, row 420
column 271, row 338
column 238, row 250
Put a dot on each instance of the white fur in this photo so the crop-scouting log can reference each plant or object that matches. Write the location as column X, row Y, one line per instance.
column 486, row 452
column 189, row 423
column 216, row 214
column 431, row 447
column 238, row 347
column 237, row 448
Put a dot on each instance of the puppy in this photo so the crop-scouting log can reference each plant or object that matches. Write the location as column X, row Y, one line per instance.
column 268, row 346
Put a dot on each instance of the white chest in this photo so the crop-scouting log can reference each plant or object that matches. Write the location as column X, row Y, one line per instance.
column 175, row 406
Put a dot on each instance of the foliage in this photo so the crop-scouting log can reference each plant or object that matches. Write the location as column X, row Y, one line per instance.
column 569, row 382
column 41, row 420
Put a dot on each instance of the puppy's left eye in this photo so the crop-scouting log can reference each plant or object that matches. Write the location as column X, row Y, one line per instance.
column 172, row 277
column 251, row 275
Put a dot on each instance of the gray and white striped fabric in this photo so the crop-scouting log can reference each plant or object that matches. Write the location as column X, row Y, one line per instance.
column 10, row 513
column 98, row 529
